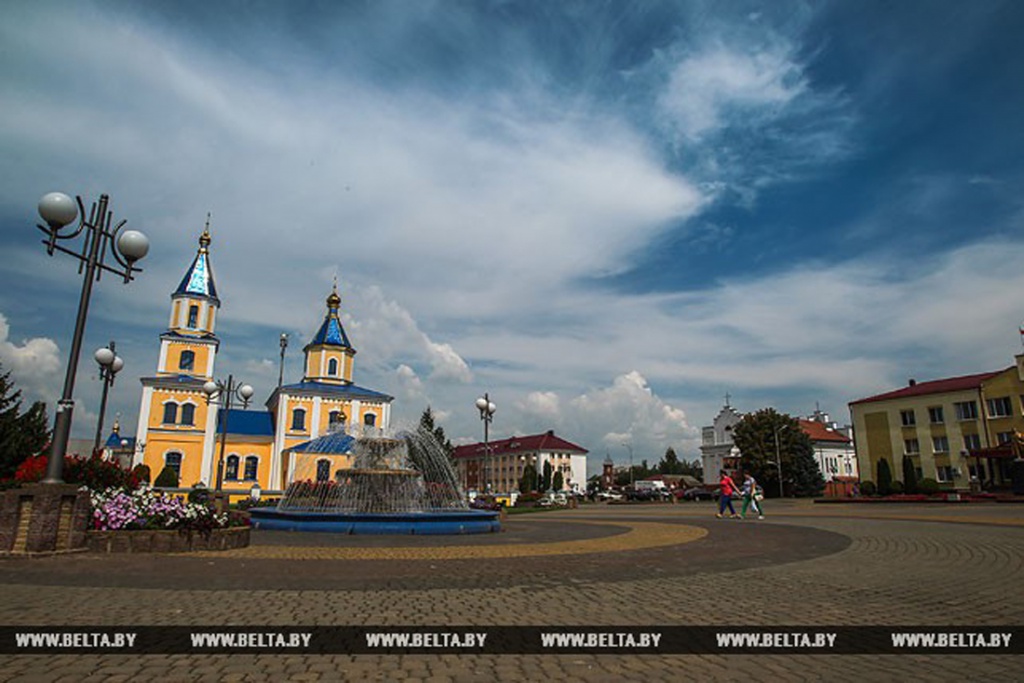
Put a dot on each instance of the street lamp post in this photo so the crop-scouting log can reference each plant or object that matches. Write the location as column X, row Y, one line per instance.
column 125, row 246
column 222, row 394
column 110, row 364
column 486, row 409
column 778, row 457
column 280, row 372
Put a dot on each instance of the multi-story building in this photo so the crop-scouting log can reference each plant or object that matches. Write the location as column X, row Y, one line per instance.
column 179, row 428
column 498, row 465
column 956, row 430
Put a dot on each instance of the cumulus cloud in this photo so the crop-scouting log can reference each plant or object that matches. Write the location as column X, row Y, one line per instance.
column 34, row 365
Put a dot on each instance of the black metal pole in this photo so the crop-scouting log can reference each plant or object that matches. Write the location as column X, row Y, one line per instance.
column 225, row 402
column 107, row 375
column 66, row 404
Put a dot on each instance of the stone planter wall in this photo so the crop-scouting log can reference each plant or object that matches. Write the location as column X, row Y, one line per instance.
column 43, row 518
column 156, row 541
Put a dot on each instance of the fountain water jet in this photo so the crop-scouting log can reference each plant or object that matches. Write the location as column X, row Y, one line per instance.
column 399, row 484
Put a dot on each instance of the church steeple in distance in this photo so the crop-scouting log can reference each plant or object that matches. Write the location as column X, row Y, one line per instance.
column 329, row 356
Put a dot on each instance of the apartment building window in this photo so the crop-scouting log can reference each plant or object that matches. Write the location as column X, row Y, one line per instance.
column 999, row 407
column 972, row 442
column 1004, row 437
column 911, row 447
column 935, row 415
column 940, row 444
column 907, row 418
column 966, row 410
column 944, row 473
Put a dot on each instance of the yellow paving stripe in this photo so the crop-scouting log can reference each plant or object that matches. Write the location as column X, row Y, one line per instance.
column 640, row 535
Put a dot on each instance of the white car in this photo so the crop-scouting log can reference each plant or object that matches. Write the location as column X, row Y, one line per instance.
column 610, row 495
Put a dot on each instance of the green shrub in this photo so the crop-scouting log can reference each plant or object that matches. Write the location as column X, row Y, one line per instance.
column 896, row 487
column 928, row 487
column 868, row 488
column 142, row 474
column 909, row 475
column 884, row 478
column 168, row 478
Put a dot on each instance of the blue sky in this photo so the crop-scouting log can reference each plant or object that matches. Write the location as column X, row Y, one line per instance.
column 606, row 214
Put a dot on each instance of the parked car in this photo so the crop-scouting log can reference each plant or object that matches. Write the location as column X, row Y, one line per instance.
column 697, row 493
column 609, row 495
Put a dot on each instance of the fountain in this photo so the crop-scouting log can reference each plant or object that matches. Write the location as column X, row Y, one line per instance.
column 397, row 484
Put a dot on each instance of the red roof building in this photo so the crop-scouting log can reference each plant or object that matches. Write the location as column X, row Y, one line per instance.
column 498, row 465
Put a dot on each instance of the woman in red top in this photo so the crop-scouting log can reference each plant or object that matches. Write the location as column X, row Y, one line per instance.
column 728, row 490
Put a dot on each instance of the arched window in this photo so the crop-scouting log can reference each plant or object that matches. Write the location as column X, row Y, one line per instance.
column 193, row 316
column 335, row 417
column 298, row 419
column 369, row 419
column 188, row 414
column 231, row 469
column 332, row 367
column 251, row 463
column 188, row 360
column 323, row 470
column 170, row 413
column 173, row 460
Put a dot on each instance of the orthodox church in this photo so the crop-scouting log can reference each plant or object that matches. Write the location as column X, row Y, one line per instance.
column 301, row 433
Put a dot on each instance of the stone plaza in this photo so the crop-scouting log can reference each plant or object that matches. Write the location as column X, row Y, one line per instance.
column 597, row 565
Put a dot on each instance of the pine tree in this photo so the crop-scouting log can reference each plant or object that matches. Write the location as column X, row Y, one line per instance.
column 805, row 474
column 21, row 434
column 884, row 478
column 427, row 424
column 909, row 475
column 557, row 481
column 670, row 463
column 529, row 481
column 546, row 480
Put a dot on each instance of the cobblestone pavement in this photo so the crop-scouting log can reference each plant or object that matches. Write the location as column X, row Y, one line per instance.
column 805, row 565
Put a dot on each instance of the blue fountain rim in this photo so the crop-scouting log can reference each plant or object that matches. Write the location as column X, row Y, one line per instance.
column 433, row 522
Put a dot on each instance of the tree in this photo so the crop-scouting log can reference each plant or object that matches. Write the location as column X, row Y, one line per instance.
column 909, row 475
column 670, row 463
column 884, row 478
column 767, row 435
column 528, row 482
column 557, row 481
column 21, row 434
column 806, row 475
column 168, row 478
column 546, row 480
column 427, row 424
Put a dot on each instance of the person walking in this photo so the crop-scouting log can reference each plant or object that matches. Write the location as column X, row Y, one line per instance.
column 750, row 497
column 728, row 487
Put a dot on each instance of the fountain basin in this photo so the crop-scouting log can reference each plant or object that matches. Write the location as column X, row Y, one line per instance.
column 434, row 522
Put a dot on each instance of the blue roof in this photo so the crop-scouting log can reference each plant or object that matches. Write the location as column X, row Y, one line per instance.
column 333, row 442
column 198, row 280
column 114, row 442
column 338, row 389
column 247, row 422
column 331, row 333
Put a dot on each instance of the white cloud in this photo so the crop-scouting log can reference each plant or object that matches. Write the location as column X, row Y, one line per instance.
column 34, row 365
column 705, row 89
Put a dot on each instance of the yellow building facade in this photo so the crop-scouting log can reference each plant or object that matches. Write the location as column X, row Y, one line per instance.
column 957, row 430
column 180, row 429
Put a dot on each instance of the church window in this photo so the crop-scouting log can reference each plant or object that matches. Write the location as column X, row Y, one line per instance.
column 298, row 419
column 173, row 460
column 369, row 419
column 170, row 413
column 332, row 367
column 193, row 316
column 188, row 360
column 251, row 462
column 232, row 468
column 188, row 414
column 336, row 417
column 323, row 470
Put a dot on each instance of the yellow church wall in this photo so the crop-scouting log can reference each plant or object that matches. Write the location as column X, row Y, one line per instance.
column 306, row 465
column 160, row 444
column 243, row 447
column 164, row 396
